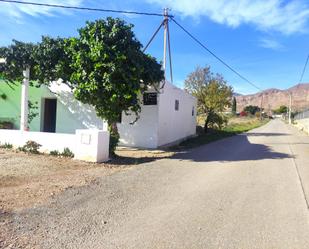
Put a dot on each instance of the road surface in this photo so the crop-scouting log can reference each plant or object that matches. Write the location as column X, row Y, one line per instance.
column 243, row 192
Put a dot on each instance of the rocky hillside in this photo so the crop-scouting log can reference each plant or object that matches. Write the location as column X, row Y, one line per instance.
column 274, row 98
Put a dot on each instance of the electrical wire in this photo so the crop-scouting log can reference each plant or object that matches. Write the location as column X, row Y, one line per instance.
column 304, row 70
column 214, row 55
column 84, row 8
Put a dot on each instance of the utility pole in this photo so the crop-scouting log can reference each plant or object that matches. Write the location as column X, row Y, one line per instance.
column 261, row 107
column 165, row 13
column 290, row 108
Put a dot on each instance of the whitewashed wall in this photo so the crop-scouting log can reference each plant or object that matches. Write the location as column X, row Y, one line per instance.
column 144, row 132
column 302, row 124
column 88, row 145
column 161, row 124
column 175, row 125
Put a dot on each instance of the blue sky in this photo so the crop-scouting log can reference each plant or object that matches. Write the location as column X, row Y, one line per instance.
column 265, row 40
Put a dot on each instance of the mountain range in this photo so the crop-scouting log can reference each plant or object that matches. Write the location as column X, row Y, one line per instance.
column 274, row 98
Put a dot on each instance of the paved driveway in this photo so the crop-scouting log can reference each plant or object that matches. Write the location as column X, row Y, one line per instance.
column 240, row 192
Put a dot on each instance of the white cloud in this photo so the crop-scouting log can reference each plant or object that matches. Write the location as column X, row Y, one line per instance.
column 17, row 11
column 278, row 15
column 271, row 44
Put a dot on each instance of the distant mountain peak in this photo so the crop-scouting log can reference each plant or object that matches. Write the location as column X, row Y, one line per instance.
column 273, row 98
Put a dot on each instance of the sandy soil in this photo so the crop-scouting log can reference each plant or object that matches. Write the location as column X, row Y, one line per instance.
column 28, row 181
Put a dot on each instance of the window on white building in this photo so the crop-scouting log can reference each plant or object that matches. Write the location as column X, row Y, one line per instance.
column 176, row 105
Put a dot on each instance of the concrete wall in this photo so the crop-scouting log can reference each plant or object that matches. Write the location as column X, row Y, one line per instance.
column 71, row 114
column 302, row 124
column 144, row 132
column 87, row 145
column 175, row 125
column 161, row 124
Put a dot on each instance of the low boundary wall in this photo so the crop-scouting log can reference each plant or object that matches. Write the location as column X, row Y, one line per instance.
column 302, row 124
column 87, row 145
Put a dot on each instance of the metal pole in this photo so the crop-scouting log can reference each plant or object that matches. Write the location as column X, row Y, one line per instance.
column 290, row 108
column 169, row 52
column 261, row 111
column 165, row 39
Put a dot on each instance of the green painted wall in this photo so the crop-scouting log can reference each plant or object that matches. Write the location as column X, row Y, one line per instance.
column 71, row 114
column 10, row 107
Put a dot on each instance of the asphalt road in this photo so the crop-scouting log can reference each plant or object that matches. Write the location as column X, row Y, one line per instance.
column 241, row 192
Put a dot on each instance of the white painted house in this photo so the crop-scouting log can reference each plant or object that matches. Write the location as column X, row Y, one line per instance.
column 167, row 117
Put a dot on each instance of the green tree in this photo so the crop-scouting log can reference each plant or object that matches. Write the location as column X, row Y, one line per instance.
column 104, row 65
column 252, row 109
column 282, row 109
column 212, row 93
column 234, row 106
column 19, row 55
column 109, row 70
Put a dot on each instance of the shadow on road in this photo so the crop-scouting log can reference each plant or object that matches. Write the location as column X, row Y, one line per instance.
column 237, row 148
column 254, row 134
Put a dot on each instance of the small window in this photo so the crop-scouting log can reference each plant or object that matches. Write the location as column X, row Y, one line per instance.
column 192, row 111
column 150, row 98
column 176, row 105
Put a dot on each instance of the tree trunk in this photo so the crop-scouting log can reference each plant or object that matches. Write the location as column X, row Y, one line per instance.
column 114, row 137
column 206, row 125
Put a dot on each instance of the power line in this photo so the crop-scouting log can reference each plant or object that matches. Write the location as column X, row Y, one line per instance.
column 214, row 55
column 84, row 8
column 304, row 70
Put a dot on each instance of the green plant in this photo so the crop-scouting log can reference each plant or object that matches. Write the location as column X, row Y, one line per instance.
column 31, row 147
column 33, row 110
column 212, row 92
column 6, row 125
column 3, row 96
column 67, row 153
column 6, row 146
column 105, row 59
column 54, row 153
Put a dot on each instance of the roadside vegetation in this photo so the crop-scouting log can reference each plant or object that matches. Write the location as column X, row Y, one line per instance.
column 235, row 125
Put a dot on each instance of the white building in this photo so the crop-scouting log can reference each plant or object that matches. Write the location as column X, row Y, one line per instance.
column 166, row 117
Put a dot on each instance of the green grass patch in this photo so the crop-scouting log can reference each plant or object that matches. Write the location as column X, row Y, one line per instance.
column 214, row 135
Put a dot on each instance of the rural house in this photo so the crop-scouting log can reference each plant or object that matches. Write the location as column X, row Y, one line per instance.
column 166, row 117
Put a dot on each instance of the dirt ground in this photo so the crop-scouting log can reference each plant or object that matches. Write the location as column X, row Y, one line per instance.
column 28, row 181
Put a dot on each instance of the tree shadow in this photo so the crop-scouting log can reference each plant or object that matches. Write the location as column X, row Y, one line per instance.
column 126, row 160
column 236, row 148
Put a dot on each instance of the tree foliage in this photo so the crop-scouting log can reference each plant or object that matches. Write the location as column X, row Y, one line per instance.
column 108, row 68
column 282, row 109
column 18, row 55
column 104, row 65
column 252, row 109
column 212, row 92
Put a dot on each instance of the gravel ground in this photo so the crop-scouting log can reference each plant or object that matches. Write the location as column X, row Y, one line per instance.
column 241, row 192
column 29, row 181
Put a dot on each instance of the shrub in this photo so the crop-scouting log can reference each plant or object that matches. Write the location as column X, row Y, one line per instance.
column 6, row 146
column 67, row 153
column 31, row 147
column 54, row 153
column 6, row 125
